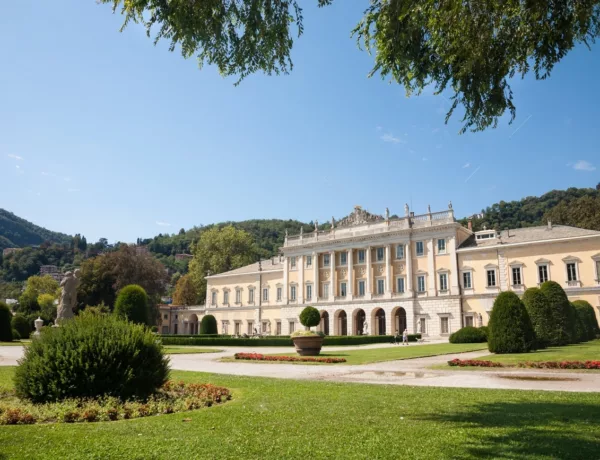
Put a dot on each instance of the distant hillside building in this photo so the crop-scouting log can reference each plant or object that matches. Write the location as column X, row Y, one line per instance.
column 51, row 270
column 8, row 251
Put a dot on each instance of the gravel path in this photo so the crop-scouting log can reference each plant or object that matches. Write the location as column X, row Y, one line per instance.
column 413, row 372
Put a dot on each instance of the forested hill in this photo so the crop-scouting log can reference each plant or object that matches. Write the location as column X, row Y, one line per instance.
column 16, row 232
column 578, row 207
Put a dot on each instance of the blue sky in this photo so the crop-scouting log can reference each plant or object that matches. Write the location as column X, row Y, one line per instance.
column 104, row 134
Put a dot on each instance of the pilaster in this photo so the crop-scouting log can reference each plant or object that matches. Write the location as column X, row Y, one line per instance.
column 332, row 284
column 301, row 287
column 431, row 278
column 409, row 271
column 388, row 272
column 369, row 275
column 286, row 287
column 350, row 284
column 315, row 261
column 454, row 287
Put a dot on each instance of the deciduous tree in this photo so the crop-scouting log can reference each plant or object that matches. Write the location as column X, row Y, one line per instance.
column 185, row 291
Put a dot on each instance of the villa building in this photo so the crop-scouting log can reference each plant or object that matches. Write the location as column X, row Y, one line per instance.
column 378, row 275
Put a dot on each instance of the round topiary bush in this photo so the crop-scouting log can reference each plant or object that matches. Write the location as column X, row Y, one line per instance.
column 586, row 312
column 21, row 325
column 581, row 330
column 510, row 329
column 468, row 334
column 560, row 310
column 132, row 304
column 208, row 325
column 5, row 323
column 310, row 317
column 540, row 314
column 91, row 356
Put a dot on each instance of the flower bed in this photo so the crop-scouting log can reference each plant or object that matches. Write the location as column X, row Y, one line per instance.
column 172, row 397
column 308, row 359
column 473, row 363
column 528, row 364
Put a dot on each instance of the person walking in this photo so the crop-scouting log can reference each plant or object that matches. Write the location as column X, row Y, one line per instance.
column 405, row 337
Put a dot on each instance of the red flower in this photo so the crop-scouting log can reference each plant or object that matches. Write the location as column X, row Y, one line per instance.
column 259, row 357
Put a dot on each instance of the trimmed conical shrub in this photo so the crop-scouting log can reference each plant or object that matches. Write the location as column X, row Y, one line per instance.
column 5, row 323
column 581, row 329
column 560, row 308
column 587, row 314
column 510, row 329
column 21, row 325
column 540, row 314
column 132, row 304
column 208, row 325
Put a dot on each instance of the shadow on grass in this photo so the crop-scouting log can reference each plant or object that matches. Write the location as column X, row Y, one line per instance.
column 528, row 430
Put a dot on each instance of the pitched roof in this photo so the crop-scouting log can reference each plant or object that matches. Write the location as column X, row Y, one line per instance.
column 267, row 265
column 529, row 235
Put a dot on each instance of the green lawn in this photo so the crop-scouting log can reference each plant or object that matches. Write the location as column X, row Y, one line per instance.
column 180, row 350
column 270, row 418
column 376, row 355
column 588, row 351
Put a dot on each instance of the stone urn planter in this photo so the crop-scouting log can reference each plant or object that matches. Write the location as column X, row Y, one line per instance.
column 308, row 345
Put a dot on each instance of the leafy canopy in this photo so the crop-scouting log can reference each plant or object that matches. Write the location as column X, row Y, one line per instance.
column 310, row 317
column 132, row 304
column 185, row 292
column 470, row 48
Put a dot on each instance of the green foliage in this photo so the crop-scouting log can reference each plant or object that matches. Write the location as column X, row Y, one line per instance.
column 510, row 329
column 132, row 304
column 581, row 327
column 581, row 212
column 17, row 232
column 21, row 325
column 540, row 313
column 586, row 312
column 208, row 325
column 16, row 335
column 310, row 317
column 468, row 334
column 185, row 292
column 5, row 323
column 560, row 310
column 92, row 356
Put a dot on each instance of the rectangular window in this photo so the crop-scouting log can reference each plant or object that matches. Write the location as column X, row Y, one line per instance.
column 491, row 278
column 443, row 281
column 292, row 327
column 468, row 321
column 278, row 328
column 380, row 254
column 226, row 297
column 165, row 316
column 420, row 248
column 309, row 261
column 238, row 296
column 326, row 260
column 422, row 326
column 293, row 262
column 213, row 299
column 343, row 258
column 421, row 283
column 571, row 272
column 444, row 323
column 165, row 329
column 400, row 285
column 326, row 290
column 441, row 246
column 380, row 286
column 251, row 295
column 343, row 289
column 598, row 271
column 265, row 294
column 467, row 280
column 361, row 288
column 543, row 273
column 238, row 328
column 400, row 251
column 292, row 292
column 516, row 276
column 250, row 328
column 309, row 292
column 361, row 256
column 279, row 294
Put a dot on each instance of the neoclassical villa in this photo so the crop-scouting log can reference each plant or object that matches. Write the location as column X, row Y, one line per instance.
column 379, row 274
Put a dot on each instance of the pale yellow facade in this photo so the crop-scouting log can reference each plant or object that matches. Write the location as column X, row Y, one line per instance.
column 373, row 274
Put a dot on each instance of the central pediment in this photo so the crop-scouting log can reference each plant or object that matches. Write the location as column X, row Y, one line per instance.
column 359, row 216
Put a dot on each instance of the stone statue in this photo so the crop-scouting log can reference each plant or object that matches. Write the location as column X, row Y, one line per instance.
column 332, row 223
column 316, row 225
column 406, row 210
column 387, row 213
column 479, row 320
column 68, row 296
column 286, row 233
column 365, row 328
column 429, row 208
column 450, row 205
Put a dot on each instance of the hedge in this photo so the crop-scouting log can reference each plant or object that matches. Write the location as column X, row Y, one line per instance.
column 589, row 316
column 562, row 328
column 277, row 341
column 469, row 334
column 540, row 314
column 510, row 329
column 208, row 325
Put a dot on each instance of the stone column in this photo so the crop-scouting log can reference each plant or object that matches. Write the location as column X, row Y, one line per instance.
column 454, row 287
column 409, row 273
column 350, row 284
column 300, row 267
column 332, row 287
column 388, row 272
column 315, row 257
column 369, row 275
column 431, row 278
column 286, row 288
column 332, row 323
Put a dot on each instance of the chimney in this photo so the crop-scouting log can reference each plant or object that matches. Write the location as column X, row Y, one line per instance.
column 549, row 224
column 470, row 225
